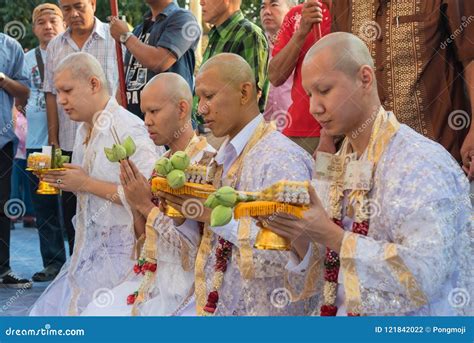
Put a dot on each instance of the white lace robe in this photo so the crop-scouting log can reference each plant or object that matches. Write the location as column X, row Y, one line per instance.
column 173, row 280
column 105, row 236
column 420, row 232
column 272, row 159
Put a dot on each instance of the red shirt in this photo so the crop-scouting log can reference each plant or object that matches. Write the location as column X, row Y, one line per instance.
column 300, row 123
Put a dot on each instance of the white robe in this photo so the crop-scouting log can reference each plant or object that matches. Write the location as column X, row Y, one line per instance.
column 105, row 237
column 173, row 282
column 422, row 211
column 272, row 159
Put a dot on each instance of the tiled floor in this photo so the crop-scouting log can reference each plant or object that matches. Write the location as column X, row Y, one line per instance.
column 25, row 261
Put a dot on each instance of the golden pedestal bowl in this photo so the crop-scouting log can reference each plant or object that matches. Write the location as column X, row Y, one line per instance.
column 268, row 240
column 172, row 212
column 45, row 188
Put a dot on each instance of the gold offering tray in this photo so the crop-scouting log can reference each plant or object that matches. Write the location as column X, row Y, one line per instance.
column 267, row 239
column 159, row 184
column 45, row 188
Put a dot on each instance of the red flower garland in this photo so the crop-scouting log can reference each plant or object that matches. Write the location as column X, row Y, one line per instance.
column 332, row 265
column 141, row 268
column 223, row 253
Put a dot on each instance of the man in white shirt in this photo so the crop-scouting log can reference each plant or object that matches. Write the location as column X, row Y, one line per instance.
column 47, row 24
column 254, row 156
column 85, row 33
column 389, row 235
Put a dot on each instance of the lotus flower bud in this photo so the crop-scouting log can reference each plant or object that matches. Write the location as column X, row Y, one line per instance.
column 176, row 179
column 119, row 152
column 109, row 153
column 211, row 201
column 226, row 196
column 221, row 215
column 163, row 166
column 62, row 160
column 129, row 146
column 180, row 160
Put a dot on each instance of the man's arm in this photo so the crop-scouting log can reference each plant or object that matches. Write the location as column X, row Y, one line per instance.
column 53, row 120
column 285, row 60
column 284, row 63
column 157, row 59
column 15, row 89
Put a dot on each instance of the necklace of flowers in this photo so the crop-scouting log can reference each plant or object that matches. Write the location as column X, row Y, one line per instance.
column 223, row 251
column 385, row 126
column 223, row 254
column 146, row 267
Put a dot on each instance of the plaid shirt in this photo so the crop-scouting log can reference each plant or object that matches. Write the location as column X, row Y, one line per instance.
column 240, row 36
column 101, row 45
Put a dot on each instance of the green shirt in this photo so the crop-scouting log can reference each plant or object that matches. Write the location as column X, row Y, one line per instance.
column 239, row 36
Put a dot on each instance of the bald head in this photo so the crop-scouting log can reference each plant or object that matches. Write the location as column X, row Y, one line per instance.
column 345, row 52
column 83, row 66
column 232, row 69
column 170, row 86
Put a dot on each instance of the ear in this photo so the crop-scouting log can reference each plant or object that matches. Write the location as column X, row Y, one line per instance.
column 246, row 91
column 95, row 84
column 366, row 76
column 94, row 5
column 183, row 106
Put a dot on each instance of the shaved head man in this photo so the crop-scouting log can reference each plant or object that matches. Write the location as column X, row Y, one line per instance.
column 233, row 33
column 227, row 94
column 167, row 105
column 377, row 220
column 340, row 80
column 253, row 156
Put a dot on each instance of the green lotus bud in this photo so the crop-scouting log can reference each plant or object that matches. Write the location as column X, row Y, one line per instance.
column 211, row 201
column 221, row 215
column 119, row 152
column 109, row 153
column 163, row 166
column 227, row 196
column 129, row 146
column 176, row 178
column 242, row 197
column 180, row 160
column 58, row 152
column 62, row 160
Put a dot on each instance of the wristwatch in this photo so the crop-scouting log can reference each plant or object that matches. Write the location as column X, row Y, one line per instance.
column 125, row 36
